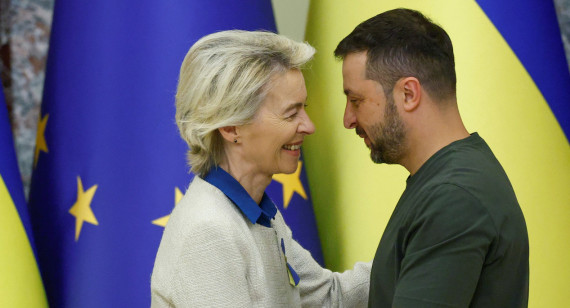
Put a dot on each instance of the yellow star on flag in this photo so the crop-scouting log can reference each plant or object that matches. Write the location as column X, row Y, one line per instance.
column 41, row 144
column 163, row 220
column 81, row 209
column 291, row 184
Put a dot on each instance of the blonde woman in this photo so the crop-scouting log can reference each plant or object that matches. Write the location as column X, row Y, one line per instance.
column 240, row 106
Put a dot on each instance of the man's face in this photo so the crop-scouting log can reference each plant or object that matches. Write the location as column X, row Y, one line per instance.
column 371, row 113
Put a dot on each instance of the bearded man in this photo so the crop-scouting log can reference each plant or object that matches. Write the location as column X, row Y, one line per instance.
column 457, row 237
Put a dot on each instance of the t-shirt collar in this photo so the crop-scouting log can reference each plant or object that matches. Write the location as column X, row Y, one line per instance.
column 473, row 137
column 261, row 214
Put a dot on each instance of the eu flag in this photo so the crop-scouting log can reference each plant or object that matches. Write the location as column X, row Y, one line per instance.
column 109, row 163
column 20, row 282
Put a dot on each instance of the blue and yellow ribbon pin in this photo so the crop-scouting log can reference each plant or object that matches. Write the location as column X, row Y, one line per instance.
column 293, row 277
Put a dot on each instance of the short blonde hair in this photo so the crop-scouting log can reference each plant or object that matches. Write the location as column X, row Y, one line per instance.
column 224, row 78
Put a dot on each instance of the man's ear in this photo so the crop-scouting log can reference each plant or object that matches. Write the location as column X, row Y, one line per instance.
column 410, row 90
column 229, row 133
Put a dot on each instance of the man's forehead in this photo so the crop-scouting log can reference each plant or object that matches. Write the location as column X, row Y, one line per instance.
column 354, row 66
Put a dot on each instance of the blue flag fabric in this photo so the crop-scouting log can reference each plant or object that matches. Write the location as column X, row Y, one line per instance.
column 9, row 168
column 20, row 281
column 109, row 163
column 530, row 28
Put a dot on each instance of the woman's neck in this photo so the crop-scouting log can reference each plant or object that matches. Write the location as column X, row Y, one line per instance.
column 253, row 183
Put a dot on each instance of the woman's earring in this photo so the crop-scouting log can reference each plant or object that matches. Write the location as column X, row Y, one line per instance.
column 235, row 140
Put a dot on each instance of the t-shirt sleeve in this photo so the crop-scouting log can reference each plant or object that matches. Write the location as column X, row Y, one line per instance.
column 444, row 250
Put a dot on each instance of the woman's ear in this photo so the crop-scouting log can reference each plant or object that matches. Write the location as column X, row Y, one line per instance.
column 410, row 91
column 229, row 133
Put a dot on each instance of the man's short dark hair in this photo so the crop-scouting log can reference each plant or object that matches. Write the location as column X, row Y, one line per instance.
column 404, row 43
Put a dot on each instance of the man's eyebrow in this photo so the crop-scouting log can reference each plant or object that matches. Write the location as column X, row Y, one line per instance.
column 348, row 92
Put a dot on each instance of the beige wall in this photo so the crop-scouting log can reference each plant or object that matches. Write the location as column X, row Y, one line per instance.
column 291, row 17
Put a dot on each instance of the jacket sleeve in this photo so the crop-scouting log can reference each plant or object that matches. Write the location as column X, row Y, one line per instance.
column 209, row 272
column 320, row 287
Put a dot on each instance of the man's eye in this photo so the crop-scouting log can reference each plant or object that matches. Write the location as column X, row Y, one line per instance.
column 354, row 101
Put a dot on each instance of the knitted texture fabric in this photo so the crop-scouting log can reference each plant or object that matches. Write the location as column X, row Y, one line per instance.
column 212, row 256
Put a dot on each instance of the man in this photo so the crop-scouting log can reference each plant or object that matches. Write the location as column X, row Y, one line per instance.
column 457, row 237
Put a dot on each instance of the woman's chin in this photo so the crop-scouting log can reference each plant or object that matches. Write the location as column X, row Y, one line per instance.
column 290, row 168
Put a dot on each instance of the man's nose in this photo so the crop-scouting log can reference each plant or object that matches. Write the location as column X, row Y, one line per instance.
column 349, row 117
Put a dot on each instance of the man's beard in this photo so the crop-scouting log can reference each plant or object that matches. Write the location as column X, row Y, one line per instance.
column 387, row 140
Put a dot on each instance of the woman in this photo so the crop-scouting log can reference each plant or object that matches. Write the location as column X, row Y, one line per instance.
column 240, row 106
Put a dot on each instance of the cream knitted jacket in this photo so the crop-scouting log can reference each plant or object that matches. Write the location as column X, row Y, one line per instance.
column 210, row 255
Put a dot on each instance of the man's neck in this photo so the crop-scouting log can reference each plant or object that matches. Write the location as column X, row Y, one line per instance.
column 425, row 140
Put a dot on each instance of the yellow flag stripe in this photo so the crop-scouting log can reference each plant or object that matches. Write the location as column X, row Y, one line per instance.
column 20, row 282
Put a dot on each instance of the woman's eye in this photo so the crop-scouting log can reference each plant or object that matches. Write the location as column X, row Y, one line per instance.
column 292, row 116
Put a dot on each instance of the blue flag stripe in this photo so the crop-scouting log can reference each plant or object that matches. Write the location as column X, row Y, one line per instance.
column 9, row 169
column 530, row 28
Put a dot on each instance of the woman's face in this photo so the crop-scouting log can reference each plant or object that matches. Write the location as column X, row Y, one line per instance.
column 272, row 142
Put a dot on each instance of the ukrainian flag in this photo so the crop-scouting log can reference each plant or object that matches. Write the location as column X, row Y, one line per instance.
column 513, row 88
column 20, row 282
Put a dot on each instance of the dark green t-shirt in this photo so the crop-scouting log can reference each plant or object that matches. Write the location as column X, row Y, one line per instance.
column 457, row 237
